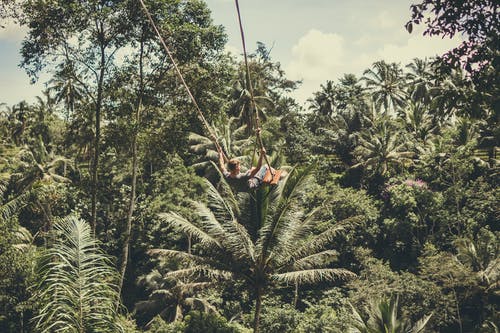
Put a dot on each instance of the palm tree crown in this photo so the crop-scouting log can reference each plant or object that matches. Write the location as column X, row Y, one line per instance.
column 262, row 239
column 385, row 83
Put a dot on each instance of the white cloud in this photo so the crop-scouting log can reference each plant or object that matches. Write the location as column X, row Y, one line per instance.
column 386, row 20
column 417, row 46
column 318, row 56
column 12, row 31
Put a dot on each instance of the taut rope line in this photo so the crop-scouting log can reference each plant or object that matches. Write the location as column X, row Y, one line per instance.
column 250, row 88
column 179, row 74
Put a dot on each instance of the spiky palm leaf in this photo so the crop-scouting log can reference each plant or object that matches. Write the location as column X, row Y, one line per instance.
column 383, row 318
column 482, row 256
column 268, row 239
column 77, row 288
column 382, row 146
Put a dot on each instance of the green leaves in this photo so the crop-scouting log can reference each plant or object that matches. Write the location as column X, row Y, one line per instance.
column 383, row 318
column 284, row 249
column 77, row 288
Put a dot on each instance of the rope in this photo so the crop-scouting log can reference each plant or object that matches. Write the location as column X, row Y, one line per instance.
column 179, row 74
column 250, row 88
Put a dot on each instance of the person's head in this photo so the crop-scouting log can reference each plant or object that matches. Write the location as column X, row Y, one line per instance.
column 233, row 165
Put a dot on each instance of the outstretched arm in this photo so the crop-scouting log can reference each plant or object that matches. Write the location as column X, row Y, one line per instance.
column 259, row 162
column 222, row 164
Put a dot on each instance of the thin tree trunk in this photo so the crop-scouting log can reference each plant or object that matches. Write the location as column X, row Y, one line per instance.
column 458, row 311
column 97, row 137
column 130, row 214
column 189, row 239
column 47, row 213
column 258, row 308
column 131, row 206
column 296, row 295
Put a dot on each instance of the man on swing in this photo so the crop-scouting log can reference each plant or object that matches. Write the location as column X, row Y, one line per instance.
column 253, row 177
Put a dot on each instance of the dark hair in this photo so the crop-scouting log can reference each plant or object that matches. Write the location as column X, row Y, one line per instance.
column 232, row 164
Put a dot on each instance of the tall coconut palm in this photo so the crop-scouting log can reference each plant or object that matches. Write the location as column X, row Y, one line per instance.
column 37, row 164
column 233, row 140
column 18, row 118
column 68, row 89
column 263, row 239
column 385, row 83
column 383, row 318
column 77, row 286
column 243, row 107
column 324, row 101
column 343, row 133
column 381, row 147
column 451, row 95
column 420, row 80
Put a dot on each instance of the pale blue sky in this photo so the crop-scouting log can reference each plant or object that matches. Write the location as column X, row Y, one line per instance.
column 314, row 40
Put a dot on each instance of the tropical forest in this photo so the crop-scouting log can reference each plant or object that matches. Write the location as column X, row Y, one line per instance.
column 162, row 184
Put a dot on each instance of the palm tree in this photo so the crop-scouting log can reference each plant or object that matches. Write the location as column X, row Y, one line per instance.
column 36, row 164
column 242, row 106
column 68, row 89
column 418, row 121
column 41, row 115
column 233, row 139
column 9, row 207
column 382, row 146
column 385, row 83
column 39, row 167
column 18, row 116
column 451, row 94
column 383, row 318
column 324, row 101
column 482, row 256
column 420, row 80
column 170, row 297
column 77, row 286
column 263, row 239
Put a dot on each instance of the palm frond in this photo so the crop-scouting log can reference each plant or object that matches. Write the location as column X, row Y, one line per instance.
column 316, row 260
column 230, row 197
column 228, row 232
column 176, row 254
column 311, row 276
column 78, row 282
column 297, row 233
column 179, row 222
column 201, row 271
column 8, row 209
column 318, row 242
column 419, row 326
column 283, row 213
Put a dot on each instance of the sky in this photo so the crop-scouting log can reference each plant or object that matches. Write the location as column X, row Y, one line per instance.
column 314, row 40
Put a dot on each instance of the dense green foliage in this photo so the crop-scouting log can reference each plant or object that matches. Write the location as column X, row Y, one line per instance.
column 114, row 216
